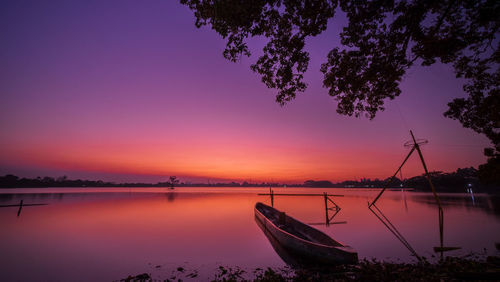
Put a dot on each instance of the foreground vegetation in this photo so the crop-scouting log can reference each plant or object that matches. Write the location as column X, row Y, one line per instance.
column 448, row 269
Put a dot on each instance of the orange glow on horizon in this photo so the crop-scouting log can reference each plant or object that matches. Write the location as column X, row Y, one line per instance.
column 237, row 160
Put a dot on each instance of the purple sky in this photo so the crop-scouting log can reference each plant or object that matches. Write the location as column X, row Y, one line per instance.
column 133, row 91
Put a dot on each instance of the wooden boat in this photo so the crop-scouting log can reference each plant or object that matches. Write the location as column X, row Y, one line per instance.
column 303, row 240
column 291, row 259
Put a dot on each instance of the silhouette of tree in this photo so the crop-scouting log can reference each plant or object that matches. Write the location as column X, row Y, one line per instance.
column 173, row 181
column 489, row 173
column 382, row 40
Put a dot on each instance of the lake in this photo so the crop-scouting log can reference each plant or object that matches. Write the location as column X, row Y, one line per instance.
column 106, row 234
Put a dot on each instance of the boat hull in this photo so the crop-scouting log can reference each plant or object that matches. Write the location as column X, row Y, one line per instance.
column 303, row 240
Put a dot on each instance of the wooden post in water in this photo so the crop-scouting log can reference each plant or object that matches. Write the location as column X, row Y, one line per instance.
column 326, row 198
column 20, row 208
column 327, row 220
column 21, row 205
column 272, row 196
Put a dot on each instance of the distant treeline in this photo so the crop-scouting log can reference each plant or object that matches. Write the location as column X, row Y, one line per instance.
column 458, row 181
column 12, row 181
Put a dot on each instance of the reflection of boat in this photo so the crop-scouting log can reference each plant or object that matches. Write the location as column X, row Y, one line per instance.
column 303, row 240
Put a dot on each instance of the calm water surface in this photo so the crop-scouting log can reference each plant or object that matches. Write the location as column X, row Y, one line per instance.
column 109, row 233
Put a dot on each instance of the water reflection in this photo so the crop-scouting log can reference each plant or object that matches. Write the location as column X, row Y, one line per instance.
column 487, row 203
column 171, row 196
column 404, row 199
column 105, row 234
column 388, row 224
column 329, row 219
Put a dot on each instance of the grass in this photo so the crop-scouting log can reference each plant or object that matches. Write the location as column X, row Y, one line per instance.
column 448, row 269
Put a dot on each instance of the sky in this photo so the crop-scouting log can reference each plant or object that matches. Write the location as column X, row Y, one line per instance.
column 132, row 91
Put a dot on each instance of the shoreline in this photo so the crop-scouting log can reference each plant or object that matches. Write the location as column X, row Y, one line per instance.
column 450, row 268
column 407, row 189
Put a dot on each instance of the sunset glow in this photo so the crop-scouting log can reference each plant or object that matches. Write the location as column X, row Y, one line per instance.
column 137, row 93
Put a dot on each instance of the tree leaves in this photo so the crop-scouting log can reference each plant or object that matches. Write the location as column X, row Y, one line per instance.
column 287, row 24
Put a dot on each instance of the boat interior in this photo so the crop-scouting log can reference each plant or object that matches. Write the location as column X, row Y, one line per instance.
column 295, row 227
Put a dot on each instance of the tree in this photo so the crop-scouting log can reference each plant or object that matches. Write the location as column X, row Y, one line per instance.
column 381, row 41
column 489, row 173
column 173, row 181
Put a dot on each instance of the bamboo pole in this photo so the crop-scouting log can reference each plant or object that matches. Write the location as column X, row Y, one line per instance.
column 438, row 201
column 393, row 176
